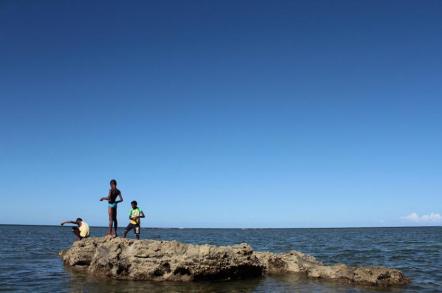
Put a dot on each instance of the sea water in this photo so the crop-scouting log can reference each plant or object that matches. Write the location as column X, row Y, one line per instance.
column 29, row 259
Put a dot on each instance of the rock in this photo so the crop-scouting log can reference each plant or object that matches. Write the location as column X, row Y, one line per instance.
column 298, row 262
column 174, row 261
column 162, row 260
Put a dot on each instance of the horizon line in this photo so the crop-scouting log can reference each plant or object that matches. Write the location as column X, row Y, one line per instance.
column 244, row 228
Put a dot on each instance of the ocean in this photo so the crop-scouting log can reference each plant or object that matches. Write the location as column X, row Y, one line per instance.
column 29, row 259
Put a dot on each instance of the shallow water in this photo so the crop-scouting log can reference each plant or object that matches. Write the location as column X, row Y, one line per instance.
column 29, row 258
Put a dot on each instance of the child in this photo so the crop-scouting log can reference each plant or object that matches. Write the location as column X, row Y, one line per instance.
column 135, row 215
column 82, row 229
column 114, row 193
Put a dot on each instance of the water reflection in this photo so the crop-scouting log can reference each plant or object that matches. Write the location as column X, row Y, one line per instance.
column 81, row 282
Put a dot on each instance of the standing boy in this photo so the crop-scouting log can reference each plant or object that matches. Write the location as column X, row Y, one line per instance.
column 114, row 193
column 135, row 215
column 82, row 229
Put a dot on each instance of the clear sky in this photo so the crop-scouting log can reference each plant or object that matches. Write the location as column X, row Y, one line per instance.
column 222, row 113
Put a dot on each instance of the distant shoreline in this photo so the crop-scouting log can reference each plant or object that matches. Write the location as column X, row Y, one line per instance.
column 230, row 228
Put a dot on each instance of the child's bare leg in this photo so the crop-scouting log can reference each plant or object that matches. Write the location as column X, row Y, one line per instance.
column 110, row 232
column 137, row 232
column 114, row 218
column 76, row 232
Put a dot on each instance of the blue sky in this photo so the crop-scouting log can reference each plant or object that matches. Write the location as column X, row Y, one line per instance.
column 226, row 114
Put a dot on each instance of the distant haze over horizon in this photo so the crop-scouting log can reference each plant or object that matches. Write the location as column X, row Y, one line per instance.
column 222, row 114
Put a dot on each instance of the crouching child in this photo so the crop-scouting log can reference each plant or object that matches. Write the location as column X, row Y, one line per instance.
column 135, row 216
column 81, row 230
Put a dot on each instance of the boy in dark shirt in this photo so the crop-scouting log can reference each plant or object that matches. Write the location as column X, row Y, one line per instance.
column 112, row 197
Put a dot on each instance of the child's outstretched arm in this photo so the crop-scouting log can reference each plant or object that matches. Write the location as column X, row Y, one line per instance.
column 142, row 215
column 106, row 197
column 68, row 222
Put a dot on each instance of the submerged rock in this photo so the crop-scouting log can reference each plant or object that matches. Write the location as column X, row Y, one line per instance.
column 174, row 261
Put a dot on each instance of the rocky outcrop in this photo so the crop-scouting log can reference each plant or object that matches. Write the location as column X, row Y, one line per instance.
column 298, row 262
column 171, row 260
